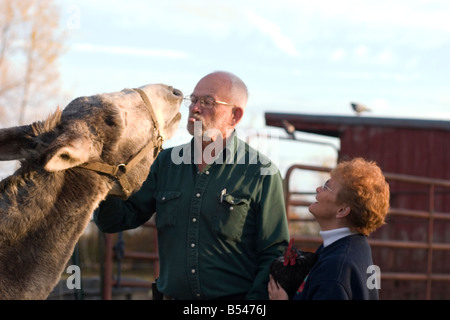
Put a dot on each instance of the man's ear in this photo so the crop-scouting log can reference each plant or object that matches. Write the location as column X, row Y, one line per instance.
column 343, row 212
column 237, row 116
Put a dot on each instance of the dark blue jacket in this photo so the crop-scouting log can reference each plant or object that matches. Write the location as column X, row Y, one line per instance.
column 340, row 273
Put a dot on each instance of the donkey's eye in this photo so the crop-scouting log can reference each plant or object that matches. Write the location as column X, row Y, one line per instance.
column 109, row 120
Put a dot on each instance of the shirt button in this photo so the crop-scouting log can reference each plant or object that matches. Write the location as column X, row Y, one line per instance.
column 194, row 219
column 163, row 198
column 192, row 271
column 192, row 245
column 207, row 172
column 231, row 208
column 198, row 195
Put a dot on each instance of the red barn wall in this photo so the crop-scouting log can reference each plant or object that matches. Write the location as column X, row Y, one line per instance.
column 400, row 150
column 410, row 151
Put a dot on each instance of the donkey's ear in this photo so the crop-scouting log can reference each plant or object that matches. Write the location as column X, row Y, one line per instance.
column 67, row 152
column 14, row 142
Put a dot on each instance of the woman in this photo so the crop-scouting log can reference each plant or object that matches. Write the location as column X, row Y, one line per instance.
column 350, row 205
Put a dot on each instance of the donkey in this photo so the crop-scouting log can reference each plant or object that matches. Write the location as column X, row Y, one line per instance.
column 97, row 146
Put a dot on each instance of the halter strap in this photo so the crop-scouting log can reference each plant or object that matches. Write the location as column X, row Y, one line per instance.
column 119, row 171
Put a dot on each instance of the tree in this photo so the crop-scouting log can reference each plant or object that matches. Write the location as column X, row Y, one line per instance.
column 30, row 44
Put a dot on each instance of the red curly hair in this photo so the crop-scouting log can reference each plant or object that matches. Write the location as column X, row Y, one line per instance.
column 365, row 190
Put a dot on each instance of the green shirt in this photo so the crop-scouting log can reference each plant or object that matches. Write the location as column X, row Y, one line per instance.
column 218, row 230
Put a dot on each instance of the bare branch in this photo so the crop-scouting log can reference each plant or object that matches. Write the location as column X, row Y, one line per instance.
column 31, row 42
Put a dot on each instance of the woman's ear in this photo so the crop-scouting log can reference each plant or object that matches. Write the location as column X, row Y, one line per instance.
column 343, row 212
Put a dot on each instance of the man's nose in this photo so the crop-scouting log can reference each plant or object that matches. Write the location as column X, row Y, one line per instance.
column 197, row 106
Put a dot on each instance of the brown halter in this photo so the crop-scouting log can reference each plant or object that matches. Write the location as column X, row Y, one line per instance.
column 119, row 171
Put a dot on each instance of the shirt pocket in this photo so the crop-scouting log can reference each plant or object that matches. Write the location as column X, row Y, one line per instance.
column 230, row 216
column 166, row 208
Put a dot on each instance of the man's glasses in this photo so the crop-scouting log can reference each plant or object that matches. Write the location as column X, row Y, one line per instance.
column 325, row 186
column 206, row 102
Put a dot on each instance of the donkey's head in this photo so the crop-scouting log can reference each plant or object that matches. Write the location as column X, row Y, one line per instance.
column 107, row 129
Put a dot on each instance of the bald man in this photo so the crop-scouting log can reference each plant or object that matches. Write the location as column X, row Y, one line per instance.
column 219, row 204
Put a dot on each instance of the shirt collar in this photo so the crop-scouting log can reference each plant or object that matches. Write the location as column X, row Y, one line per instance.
column 227, row 153
column 333, row 235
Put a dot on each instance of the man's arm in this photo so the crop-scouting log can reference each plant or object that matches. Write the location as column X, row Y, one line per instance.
column 114, row 215
column 273, row 233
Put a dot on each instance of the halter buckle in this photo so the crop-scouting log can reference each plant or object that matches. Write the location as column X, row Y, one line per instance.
column 121, row 169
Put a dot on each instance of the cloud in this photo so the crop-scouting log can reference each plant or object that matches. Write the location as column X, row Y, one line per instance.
column 130, row 51
column 338, row 55
column 380, row 105
column 273, row 31
column 362, row 52
column 383, row 57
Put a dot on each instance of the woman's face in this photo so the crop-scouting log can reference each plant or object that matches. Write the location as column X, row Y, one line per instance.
column 326, row 208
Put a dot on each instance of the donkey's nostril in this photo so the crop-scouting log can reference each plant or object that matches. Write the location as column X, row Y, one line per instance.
column 177, row 92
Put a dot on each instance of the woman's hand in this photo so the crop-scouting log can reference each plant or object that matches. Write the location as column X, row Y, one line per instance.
column 276, row 292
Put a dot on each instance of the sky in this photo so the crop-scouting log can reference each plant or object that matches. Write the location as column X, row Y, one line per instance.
column 312, row 57
column 295, row 56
